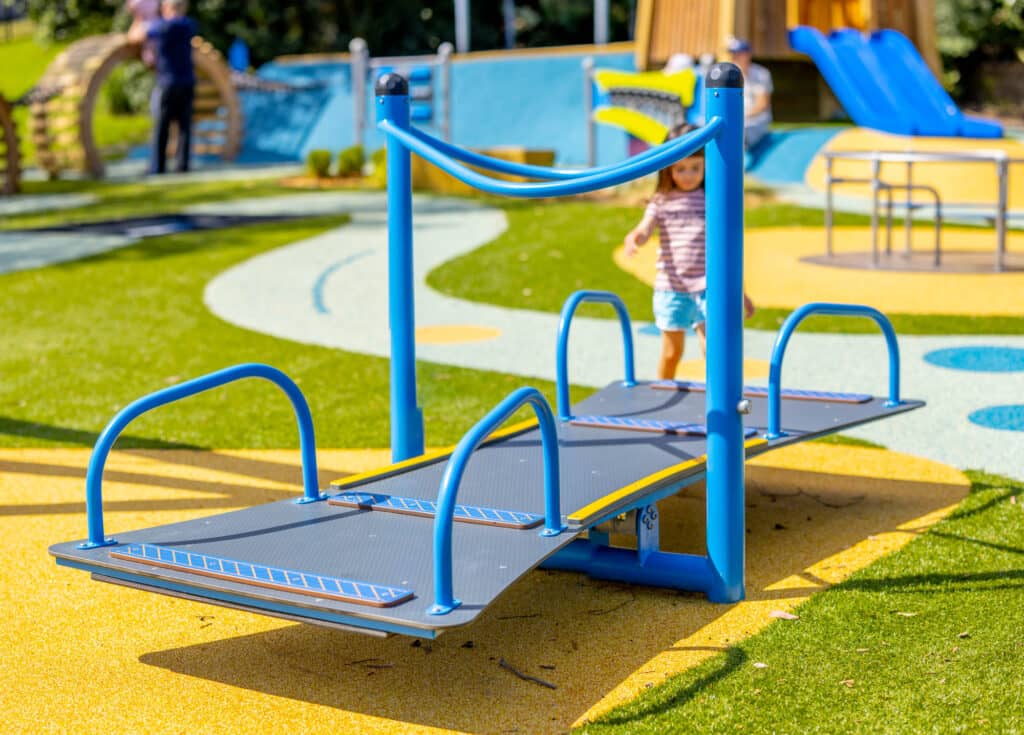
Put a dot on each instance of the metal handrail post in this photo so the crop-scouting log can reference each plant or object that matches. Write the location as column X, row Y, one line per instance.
column 444, row 61
column 1003, row 173
column 828, row 204
column 588, row 110
column 358, row 70
column 406, row 417
column 726, row 530
column 876, row 169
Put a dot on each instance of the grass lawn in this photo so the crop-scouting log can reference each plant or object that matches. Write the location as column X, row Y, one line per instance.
column 132, row 321
column 553, row 248
column 926, row 640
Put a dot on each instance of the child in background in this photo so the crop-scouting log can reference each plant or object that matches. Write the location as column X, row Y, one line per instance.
column 677, row 210
column 144, row 12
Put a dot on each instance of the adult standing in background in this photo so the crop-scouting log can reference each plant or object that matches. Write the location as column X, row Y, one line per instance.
column 171, row 37
column 757, row 93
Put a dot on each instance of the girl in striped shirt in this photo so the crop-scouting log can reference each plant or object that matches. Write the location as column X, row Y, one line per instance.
column 677, row 211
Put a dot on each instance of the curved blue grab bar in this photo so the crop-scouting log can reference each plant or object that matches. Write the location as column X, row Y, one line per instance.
column 663, row 155
column 568, row 311
column 786, row 331
column 444, row 600
column 94, row 476
column 519, row 169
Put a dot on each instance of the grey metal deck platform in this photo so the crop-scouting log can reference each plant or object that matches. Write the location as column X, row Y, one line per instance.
column 603, row 472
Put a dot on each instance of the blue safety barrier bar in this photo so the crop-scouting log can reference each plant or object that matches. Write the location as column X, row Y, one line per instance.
column 568, row 311
column 444, row 600
column 521, row 169
column 664, row 155
column 786, row 331
column 94, row 475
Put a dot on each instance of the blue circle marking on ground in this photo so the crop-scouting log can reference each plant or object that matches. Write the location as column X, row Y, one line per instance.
column 1006, row 418
column 979, row 359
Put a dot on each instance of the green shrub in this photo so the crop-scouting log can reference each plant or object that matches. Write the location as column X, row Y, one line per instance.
column 319, row 163
column 128, row 89
column 351, row 160
column 379, row 159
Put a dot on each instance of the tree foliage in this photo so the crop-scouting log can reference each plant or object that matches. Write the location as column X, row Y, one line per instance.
column 272, row 28
column 971, row 32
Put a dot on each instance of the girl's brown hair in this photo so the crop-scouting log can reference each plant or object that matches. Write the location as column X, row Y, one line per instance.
column 665, row 183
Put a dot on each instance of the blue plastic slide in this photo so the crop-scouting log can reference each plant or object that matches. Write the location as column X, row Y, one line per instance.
column 883, row 83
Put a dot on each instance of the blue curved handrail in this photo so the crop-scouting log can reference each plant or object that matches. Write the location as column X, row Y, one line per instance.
column 519, row 169
column 444, row 600
column 568, row 311
column 663, row 155
column 94, row 475
column 786, row 331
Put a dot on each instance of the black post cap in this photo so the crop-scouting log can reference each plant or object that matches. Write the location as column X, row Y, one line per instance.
column 391, row 84
column 724, row 75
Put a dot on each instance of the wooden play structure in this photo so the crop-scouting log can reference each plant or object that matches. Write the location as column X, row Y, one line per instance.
column 62, row 120
column 665, row 27
column 10, row 159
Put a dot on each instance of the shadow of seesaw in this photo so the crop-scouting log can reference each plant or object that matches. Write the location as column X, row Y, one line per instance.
column 598, row 643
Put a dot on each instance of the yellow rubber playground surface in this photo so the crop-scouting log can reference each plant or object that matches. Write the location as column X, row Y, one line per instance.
column 777, row 275
column 81, row 656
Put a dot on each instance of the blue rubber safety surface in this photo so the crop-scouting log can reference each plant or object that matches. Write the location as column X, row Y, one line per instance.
column 784, row 155
column 1004, row 418
column 428, row 508
column 985, row 359
column 693, row 386
column 316, row 585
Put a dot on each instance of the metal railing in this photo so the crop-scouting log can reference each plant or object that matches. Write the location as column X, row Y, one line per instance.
column 999, row 159
column 444, row 599
column 782, row 340
column 568, row 311
column 105, row 442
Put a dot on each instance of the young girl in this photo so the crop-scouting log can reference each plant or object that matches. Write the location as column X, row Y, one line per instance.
column 677, row 211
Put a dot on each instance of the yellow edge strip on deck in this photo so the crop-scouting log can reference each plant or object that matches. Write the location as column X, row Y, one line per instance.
column 428, row 458
column 589, row 511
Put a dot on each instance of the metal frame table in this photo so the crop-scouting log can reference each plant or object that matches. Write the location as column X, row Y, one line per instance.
column 1000, row 159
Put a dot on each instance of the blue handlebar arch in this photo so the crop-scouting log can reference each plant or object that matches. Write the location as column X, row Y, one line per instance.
column 782, row 340
column 444, row 599
column 105, row 442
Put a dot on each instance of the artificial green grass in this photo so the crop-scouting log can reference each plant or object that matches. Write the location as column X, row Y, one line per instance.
column 554, row 248
column 926, row 640
column 83, row 339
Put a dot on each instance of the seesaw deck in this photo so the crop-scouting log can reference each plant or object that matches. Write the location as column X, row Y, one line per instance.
column 604, row 471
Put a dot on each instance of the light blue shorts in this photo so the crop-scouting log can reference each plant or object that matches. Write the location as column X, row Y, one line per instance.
column 675, row 311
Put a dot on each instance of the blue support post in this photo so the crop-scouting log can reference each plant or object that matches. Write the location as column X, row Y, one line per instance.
column 724, row 187
column 406, row 417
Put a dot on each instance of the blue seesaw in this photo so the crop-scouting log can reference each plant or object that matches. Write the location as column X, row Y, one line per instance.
column 427, row 543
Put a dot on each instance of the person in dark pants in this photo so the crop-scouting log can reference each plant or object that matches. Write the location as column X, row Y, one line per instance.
column 171, row 39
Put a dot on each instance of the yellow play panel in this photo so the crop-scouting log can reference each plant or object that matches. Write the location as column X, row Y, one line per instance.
column 776, row 275
column 80, row 656
column 974, row 183
column 455, row 334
